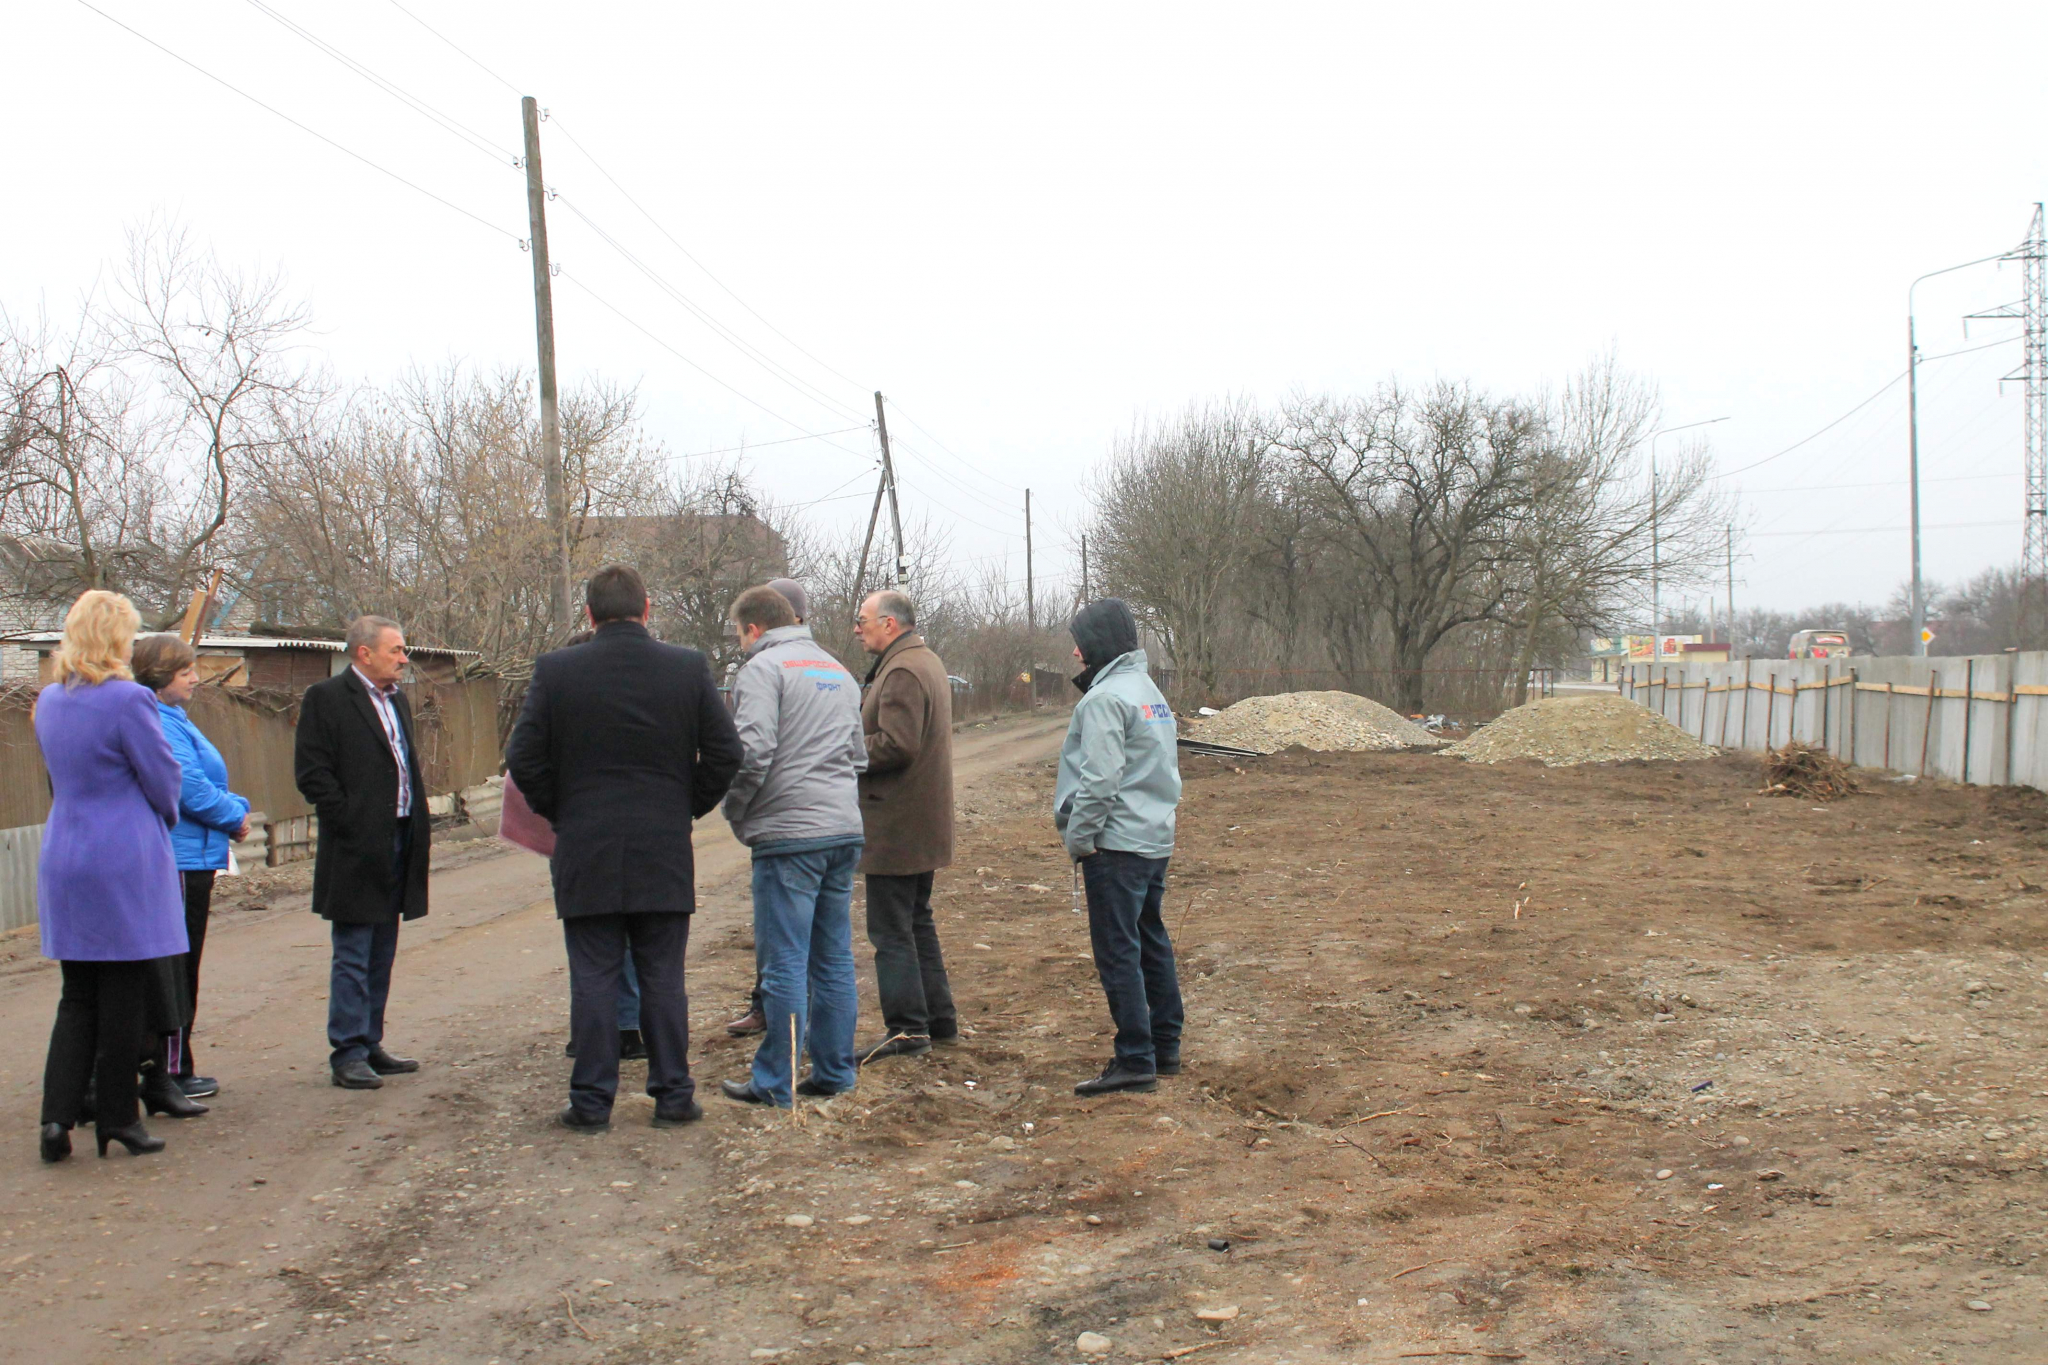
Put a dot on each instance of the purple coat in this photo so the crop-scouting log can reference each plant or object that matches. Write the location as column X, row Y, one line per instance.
column 108, row 889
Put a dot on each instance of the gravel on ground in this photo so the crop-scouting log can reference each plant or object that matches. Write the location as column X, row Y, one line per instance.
column 1327, row 722
column 1561, row 731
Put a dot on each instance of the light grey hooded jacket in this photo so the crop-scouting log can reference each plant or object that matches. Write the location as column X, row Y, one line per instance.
column 1119, row 782
column 798, row 713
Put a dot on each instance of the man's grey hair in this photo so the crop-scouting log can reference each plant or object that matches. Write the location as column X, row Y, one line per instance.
column 894, row 604
column 365, row 631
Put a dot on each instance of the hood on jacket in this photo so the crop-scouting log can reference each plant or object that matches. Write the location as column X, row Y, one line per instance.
column 770, row 638
column 1103, row 631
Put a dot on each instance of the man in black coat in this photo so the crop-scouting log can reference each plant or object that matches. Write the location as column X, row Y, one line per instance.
column 356, row 760
column 621, row 744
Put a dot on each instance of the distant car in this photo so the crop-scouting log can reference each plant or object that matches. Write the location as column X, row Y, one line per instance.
column 960, row 684
column 1819, row 644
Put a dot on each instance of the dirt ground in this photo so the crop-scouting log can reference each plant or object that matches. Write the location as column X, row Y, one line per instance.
column 1600, row 1064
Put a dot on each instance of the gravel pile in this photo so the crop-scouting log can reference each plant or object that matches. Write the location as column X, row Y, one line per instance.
column 1561, row 731
column 1331, row 722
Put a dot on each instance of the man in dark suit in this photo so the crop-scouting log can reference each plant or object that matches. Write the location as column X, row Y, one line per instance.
column 356, row 760
column 621, row 744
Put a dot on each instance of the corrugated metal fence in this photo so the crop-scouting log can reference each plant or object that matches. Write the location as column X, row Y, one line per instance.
column 1976, row 719
column 456, row 725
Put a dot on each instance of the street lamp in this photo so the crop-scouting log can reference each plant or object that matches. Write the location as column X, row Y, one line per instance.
column 1656, row 636
column 1913, row 446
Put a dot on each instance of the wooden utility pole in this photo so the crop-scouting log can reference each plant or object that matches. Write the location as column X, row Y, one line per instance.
column 1030, row 586
column 544, row 328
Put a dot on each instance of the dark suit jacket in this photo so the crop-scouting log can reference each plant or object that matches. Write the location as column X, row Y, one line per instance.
column 343, row 765
column 622, row 742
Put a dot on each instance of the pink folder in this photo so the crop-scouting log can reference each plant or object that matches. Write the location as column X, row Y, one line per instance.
column 518, row 825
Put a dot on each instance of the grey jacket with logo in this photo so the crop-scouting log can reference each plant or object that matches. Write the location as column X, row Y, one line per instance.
column 1119, row 779
column 798, row 713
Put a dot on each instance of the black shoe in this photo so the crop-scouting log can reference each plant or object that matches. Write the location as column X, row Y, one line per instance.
column 161, row 1095
column 632, row 1047
column 687, row 1112
column 907, row 1045
column 1169, row 1064
column 198, row 1087
column 357, row 1075
column 56, row 1142
column 134, row 1137
column 576, row 1121
column 384, row 1064
column 1116, row 1079
column 809, row 1087
column 744, row 1092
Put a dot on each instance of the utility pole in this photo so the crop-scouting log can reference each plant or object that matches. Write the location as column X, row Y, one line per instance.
column 886, row 487
column 1084, row 568
column 2032, row 314
column 1030, row 585
column 544, row 328
column 1731, row 592
column 902, row 575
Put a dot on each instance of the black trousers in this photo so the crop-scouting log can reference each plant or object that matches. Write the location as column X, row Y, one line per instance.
column 198, row 905
column 597, row 946
column 910, row 971
column 1133, row 955
column 97, row 1036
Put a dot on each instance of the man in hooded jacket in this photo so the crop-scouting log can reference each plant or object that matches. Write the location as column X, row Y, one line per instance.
column 1114, row 805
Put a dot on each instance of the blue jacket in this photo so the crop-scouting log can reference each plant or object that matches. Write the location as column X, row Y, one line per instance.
column 1119, row 781
column 208, row 813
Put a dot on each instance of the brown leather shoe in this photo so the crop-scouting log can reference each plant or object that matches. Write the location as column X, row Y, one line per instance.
column 753, row 1021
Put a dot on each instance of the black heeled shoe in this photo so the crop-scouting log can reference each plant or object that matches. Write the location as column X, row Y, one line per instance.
column 56, row 1142
column 161, row 1095
column 134, row 1137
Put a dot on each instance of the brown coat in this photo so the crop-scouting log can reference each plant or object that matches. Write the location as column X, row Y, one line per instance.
column 906, row 795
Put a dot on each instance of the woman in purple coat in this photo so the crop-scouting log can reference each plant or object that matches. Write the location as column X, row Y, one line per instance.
column 107, row 890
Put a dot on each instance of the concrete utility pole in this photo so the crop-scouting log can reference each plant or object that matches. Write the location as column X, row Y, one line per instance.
column 1030, row 586
column 1919, row 644
column 1731, row 592
column 889, row 479
column 544, row 328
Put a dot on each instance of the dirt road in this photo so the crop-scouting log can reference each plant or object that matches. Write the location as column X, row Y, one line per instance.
column 1574, row 1067
column 211, row 1250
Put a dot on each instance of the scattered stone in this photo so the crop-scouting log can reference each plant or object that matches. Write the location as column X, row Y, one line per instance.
column 1225, row 1314
column 1979, row 1306
column 1093, row 1344
column 1770, row 1175
column 763, row 1353
column 1562, row 731
column 797, row 1220
column 1002, row 1142
column 858, row 1220
column 1093, row 1220
column 1328, row 722
column 1664, row 1174
column 965, row 1185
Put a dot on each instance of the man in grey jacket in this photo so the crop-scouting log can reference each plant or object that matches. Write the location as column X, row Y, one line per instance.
column 796, row 804
column 1114, row 805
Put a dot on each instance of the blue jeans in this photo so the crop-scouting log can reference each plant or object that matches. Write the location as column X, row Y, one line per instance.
column 358, row 984
column 803, row 945
column 1133, row 955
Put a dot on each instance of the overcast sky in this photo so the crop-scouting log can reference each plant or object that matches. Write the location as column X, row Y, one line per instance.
column 1031, row 226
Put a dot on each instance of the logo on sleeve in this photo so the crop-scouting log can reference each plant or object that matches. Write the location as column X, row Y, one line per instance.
column 1157, row 713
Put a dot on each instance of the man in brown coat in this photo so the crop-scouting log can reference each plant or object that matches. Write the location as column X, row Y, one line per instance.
column 906, row 805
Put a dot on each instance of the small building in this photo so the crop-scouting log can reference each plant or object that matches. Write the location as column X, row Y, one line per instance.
column 275, row 663
column 1703, row 652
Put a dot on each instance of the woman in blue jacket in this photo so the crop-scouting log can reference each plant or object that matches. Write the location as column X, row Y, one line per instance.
column 210, row 819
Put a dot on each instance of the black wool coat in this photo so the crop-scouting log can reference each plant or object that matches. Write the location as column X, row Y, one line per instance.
column 344, row 766
column 622, row 743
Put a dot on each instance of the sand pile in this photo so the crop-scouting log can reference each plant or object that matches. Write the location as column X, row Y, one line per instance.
column 1561, row 731
column 1331, row 722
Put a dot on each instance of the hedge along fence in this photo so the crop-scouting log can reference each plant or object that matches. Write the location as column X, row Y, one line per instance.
column 1973, row 718
column 455, row 725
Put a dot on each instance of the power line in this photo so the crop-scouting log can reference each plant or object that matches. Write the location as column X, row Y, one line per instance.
column 273, row 109
column 932, row 468
column 643, row 330
column 450, row 124
column 1876, row 530
column 776, row 371
column 756, row 445
column 1884, row 483
column 458, row 51
column 955, row 454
